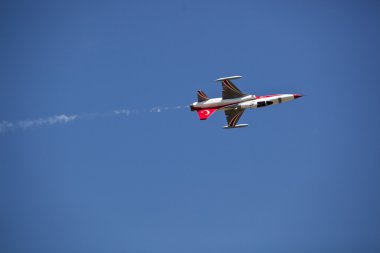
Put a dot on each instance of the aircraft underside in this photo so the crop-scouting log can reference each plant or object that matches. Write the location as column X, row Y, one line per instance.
column 234, row 102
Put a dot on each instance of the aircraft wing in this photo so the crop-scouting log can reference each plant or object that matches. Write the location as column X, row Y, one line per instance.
column 233, row 117
column 229, row 90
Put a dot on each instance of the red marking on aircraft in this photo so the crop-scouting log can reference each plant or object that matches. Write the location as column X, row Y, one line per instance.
column 234, row 102
column 205, row 113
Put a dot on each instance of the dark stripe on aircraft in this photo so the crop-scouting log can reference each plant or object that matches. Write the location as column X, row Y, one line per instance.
column 201, row 94
column 230, row 86
column 235, row 118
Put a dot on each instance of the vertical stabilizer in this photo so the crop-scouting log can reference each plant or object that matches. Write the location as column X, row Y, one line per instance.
column 202, row 96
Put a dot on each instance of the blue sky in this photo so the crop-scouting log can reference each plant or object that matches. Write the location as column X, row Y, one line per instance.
column 303, row 177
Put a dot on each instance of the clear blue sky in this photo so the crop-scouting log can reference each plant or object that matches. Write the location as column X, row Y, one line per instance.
column 303, row 177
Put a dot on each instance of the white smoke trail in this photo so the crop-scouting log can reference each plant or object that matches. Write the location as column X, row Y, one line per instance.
column 160, row 109
column 4, row 125
column 24, row 124
column 128, row 112
column 125, row 112
column 64, row 119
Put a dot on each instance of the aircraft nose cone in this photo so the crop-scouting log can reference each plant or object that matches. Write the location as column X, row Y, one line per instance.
column 297, row 96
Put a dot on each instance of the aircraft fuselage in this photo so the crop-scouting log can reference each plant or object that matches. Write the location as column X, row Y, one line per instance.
column 249, row 101
column 234, row 102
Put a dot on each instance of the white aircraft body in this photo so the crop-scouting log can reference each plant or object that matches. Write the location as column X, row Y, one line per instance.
column 233, row 102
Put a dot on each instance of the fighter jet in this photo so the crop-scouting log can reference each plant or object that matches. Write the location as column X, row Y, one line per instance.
column 233, row 102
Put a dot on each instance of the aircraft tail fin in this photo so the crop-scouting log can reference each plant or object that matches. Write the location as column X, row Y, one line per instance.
column 202, row 96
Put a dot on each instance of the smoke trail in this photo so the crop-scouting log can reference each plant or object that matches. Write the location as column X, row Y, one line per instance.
column 155, row 109
column 160, row 109
column 64, row 119
column 24, row 124
column 125, row 112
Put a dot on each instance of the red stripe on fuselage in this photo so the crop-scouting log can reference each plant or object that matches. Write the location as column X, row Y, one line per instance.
column 218, row 107
column 266, row 96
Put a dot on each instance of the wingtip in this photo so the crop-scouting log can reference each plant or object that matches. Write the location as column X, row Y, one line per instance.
column 236, row 126
column 228, row 78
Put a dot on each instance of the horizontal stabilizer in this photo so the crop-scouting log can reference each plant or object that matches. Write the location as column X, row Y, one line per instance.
column 236, row 126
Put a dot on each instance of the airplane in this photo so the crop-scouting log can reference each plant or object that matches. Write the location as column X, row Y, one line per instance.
column 233, row 102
